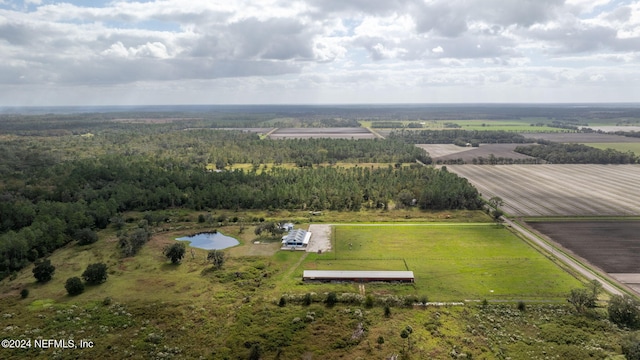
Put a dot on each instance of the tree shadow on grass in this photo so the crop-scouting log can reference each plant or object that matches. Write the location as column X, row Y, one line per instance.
column 170, row 267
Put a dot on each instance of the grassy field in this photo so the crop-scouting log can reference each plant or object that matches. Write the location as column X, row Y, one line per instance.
column 633, row 147
column 523, row 125
column 450, row 262
column 520, row 125
column 149, row 308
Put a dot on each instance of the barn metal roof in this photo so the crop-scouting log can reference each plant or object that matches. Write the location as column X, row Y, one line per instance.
column 349, row 274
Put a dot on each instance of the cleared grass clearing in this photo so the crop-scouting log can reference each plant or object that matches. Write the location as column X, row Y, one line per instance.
column 505, row 125
column 520, row 125
column 450, row 262
column 633, row 147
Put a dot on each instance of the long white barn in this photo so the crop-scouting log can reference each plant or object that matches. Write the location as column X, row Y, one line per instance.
column 358, row 276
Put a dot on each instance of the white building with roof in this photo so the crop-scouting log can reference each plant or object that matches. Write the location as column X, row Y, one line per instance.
column 358, row 276
column 297, row 239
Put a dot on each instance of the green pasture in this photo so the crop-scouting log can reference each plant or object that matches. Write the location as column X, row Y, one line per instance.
column 633, row 147
column 450, row 262
column 519, row 125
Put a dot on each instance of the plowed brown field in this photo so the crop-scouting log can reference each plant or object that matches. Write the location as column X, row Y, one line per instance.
column 559, row 190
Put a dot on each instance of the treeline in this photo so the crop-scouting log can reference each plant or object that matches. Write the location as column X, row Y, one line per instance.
column 233, row 147
column 576, row 154
column 395, row 125
column 634, row 134
column 77, row 123
column 318, row 151
column 490, row 160
column 139, row 184
column 458, row 137
column 20, row 156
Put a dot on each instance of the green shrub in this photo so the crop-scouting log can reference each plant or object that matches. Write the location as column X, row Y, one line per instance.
column 409, row 300
column 86, row 236
column 332, row 299
column 624, row 311
column 306, row 300
column 368, row 302
column 95, row 273
column 522, row 306
column 175, row 252
column 74, row 286
column 631, row 346
column 43, row 271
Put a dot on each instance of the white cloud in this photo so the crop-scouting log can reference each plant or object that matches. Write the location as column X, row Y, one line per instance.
column 402, row 48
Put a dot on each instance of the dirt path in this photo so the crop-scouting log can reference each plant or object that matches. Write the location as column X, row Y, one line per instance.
column 295, row 266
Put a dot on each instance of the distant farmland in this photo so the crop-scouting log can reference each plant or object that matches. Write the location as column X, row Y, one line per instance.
column 334, row 133
column 452, row 152
column 559, row 190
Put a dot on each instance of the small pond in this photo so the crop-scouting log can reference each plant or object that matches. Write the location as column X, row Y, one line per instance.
column 210, row 241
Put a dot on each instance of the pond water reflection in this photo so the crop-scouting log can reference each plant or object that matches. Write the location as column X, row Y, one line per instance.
column 210, row 241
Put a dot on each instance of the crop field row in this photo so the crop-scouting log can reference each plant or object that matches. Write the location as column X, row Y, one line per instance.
column 559, row 190
column 610, row 245
column 452, row 152
column 450, row 263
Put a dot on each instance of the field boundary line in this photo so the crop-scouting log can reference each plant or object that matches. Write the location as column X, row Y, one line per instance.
column 375, row 133
column 417, row 224
column 268, row 134
column 500, row 258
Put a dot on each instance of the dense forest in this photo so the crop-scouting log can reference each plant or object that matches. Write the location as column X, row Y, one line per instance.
column 577, row 154
column 54, row 187
column 201, row 147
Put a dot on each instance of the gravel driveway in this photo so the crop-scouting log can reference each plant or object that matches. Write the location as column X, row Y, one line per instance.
column 320, row 238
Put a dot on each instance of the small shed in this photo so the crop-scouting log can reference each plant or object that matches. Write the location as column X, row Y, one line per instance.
column 287, row 226
column 358, row 276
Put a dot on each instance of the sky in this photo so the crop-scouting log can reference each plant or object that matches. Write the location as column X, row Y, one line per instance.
column 93, row 52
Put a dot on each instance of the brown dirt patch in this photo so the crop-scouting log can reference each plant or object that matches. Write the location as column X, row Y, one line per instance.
column 484, row 150
column 612, row 246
